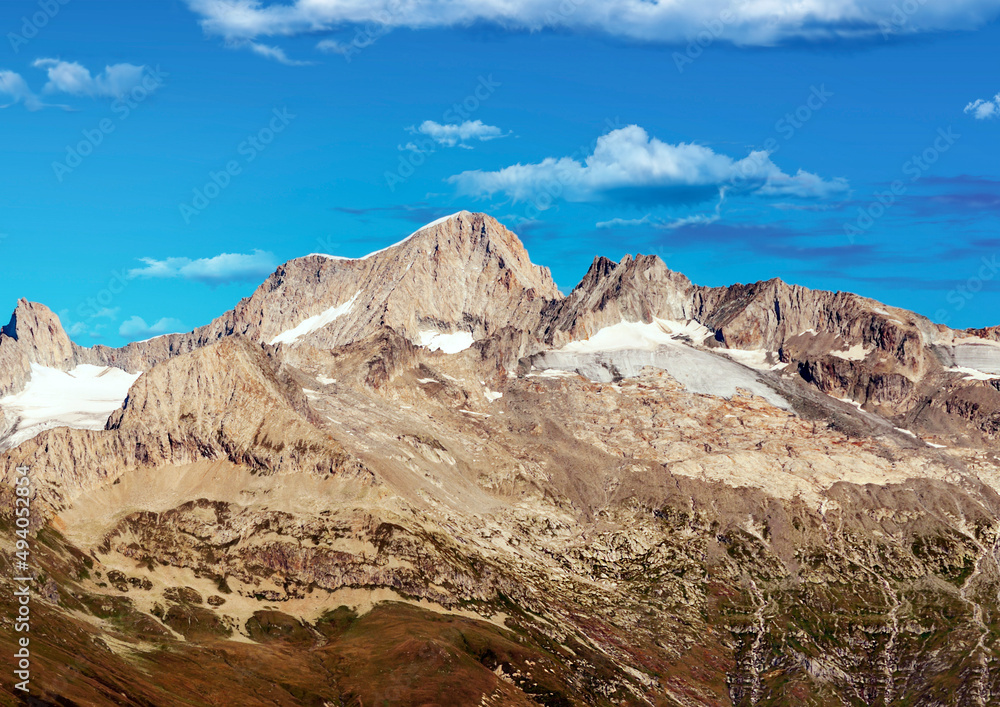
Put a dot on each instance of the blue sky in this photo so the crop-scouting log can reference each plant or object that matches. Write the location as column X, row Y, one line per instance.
column 852, row 147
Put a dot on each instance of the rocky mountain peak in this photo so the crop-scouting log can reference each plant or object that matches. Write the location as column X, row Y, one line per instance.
column 38, row 329
column 34, row 335
column 637, row 288
column 472, row 239
column 465, row 274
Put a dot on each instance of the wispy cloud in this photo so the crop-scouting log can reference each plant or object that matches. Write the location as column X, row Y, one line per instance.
column 984, row 109
column 332, row 46
column 629, row 165
column 135, row 328
column 219, row 270
column 275, row 53
column 752, row 22
column 452, row 134
column 669, row 224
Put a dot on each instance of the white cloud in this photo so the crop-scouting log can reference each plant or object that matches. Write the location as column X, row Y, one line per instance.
column 219, row 270
column 630, row 165
column 751, row 22
column 617, row 222
column 452, row 134
column 984, row 110
column 75, row 79
column 13, row 85
column 135, row 328
column 665, row 224
column 669, row 224
column 70, row 78
column 276, row 53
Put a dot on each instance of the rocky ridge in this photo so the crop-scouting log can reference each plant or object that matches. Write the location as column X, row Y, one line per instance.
column 353, row 515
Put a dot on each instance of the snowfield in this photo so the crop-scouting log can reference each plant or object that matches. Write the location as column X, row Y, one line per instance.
column 623, row 350
column 82, row 398
column 638, row 335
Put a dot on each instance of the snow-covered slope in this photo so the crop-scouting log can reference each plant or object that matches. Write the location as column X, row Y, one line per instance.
column 82, row 398
column 638, row 335
column 623, row 350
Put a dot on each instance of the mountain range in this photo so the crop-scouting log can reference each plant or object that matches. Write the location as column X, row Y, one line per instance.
column 426, row 476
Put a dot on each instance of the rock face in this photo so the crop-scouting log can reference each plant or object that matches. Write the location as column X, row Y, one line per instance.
column 466, row 273
column 463, row 274
column 446, row 483
column 886, row 359
column 229, row 401
column 34, row 335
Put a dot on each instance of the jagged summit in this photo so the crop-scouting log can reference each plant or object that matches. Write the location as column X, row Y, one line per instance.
column 34, row 335
column 432, row 224
column 37, row 328
column 466, row 280
column 428, row 464
column 463, row 274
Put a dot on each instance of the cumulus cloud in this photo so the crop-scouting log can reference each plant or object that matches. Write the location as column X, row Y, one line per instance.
column 752, row 22
column 219, row 270
column 985, row 109
column 452, row 134
column 70, row 78
column 629, row 165
column 135, row 328
column 75, row 79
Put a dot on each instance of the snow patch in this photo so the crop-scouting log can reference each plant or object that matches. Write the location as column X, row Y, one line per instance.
column 638, row 335
column 448, row 343
column 851, row 402
column 314, row 323
column 427, row 380
column 972, row 374
column 477, row 414
column 856, row 353
column 553, row 373
column 82, row 399
column 492, row 395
